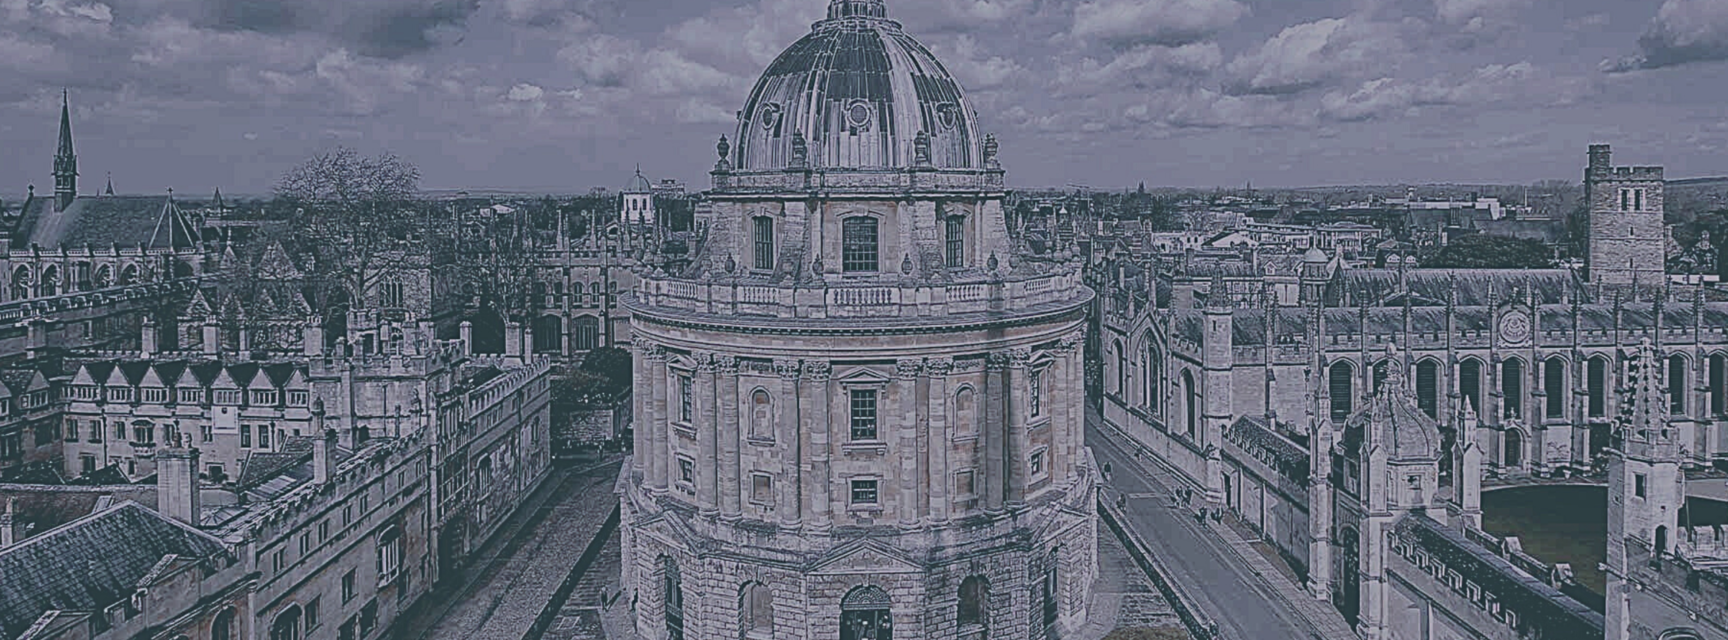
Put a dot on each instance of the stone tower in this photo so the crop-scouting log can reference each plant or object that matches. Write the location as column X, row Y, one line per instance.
column 1646, row 487
column 1626, row 241
column 65, row 161
column 860, row 407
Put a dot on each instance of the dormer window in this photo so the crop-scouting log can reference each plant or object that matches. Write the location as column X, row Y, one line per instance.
column 297, row 398
column 762, row 234
column 115, row 394
column 264, row 397
column 191, row 396
column 228, row 396
column 155, row 395
column 859, row 252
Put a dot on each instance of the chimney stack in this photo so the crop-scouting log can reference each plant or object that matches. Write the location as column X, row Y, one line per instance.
column 212, row 337
column 177, row 483
column 9, row 524
column 323, row 454
column 1601, row 157
column 147, row 337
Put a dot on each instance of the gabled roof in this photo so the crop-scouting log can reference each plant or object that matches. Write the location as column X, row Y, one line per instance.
column 275, row 264
column 101, row 221
column 23, row 381
column 91, row 563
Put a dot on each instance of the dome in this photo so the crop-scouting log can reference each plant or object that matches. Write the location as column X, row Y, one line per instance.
column 855, row 93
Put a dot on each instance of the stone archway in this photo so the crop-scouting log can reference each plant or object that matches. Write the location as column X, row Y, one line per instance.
column 864, row 615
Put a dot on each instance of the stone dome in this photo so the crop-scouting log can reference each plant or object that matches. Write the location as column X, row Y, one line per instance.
column 855, row 93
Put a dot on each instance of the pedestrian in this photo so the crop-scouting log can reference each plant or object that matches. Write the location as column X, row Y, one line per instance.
column 1121, row 501
column 1106, row 472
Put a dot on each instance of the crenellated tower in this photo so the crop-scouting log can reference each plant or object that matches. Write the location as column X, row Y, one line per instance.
column 1626, row 243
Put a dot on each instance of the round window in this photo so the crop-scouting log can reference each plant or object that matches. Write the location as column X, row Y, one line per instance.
column 770, row 116
column 948, row 115
column 858, row 114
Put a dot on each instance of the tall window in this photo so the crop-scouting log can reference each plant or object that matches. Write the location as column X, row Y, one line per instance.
column 1037, row 380
column 1191, row 403
column 863, row 414
column 1470, row 383
column 966, row 412
column 1554, row 388
column 858, row 252
column 764, row 239
column 756, row 611
column 586, row 333
column 1512, row 388
column 1341, row 382
column 287, row 625
column 974, row 606
column 955, row 228
column 686, row 399
column 1718, row 370
column 1596, row 379
column 761, row 415
column 1153, row 374
column 1677, row 385
column 1428, row 387
column 1119, row 357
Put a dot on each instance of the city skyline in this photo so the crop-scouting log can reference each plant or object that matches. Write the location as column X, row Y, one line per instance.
column 533, row 95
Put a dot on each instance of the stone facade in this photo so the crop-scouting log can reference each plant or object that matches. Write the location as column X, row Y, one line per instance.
column 860, row 407
column 1627, row 237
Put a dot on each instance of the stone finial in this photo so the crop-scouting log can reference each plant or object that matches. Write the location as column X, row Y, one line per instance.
column 906, row 264
column 992, row 263
column 724, row 150
column 731, row 264
column 921, row 149
column 990, row 149
column 800, row 150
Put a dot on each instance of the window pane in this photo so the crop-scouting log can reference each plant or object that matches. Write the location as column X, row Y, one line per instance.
column 765, row 243
column 956, row 241
column 863, row 414
column 858, row 237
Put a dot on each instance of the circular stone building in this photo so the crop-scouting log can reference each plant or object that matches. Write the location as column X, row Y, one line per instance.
column 859, row 401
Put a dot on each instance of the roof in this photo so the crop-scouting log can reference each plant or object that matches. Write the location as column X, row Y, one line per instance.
column 91, row 563
column 99, row 221
column 1474, row 286
column 1392, row 420
column 858, row 90
column 1538, row 605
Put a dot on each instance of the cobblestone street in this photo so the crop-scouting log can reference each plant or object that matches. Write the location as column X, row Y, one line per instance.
column 510, row 580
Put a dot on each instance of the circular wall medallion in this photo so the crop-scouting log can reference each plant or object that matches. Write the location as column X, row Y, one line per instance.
column 947, row 115
column 858, row 114
column 1515, row 327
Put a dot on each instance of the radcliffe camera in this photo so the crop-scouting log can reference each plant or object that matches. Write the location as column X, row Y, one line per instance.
column 863, row 320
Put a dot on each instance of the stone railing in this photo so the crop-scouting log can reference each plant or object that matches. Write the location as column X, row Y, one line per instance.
column 860, row 301
column 894, row 180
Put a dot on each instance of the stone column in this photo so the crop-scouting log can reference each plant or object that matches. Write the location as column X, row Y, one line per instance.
column 657, row 422
column 786, row 440
column 707, row 424
column 940, row 439
column 1019, row 399
column 727, row 399
column 906, row 423
column 642, row 376
column 994, row 401
column 817, row 426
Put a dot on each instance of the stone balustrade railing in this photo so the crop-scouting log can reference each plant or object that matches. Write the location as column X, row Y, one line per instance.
column 844, row 300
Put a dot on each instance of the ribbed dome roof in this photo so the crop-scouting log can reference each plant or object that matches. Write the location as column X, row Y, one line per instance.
column 858, row 91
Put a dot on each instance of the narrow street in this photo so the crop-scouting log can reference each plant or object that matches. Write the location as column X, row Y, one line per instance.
column 1206, row 568
column 508, row 581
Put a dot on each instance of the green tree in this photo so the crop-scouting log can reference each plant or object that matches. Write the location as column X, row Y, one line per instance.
column 1481, row 251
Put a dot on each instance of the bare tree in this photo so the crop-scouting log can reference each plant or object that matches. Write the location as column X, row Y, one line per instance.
column 359, row 217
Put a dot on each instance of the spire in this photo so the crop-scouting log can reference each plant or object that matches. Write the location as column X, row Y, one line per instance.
column 109, row 190
column 65, row 161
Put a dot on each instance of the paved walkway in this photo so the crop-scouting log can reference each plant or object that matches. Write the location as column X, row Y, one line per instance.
column 515, row 574
column 1225, row 576
column 1123, row 597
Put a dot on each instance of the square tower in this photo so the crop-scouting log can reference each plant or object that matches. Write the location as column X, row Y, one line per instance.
column 1627, row 234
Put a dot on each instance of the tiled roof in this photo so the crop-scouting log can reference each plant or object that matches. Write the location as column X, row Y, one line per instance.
column 91, row 563
column 101, row 221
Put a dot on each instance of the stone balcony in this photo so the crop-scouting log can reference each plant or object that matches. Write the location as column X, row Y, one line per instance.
column 796, row 181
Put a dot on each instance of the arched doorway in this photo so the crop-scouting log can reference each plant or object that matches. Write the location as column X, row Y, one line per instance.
column 864, row 615
column 1661, row 539
column 974, row 613
column 674, row 585
column 1350, row 575
column 1514, row 448
column 756, row 612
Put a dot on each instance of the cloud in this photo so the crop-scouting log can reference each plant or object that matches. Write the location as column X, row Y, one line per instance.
column 525, row 92
column 1138, row 68
column 1479, row 16
column 1315, row 54
column 550, row 13
column 1522, row 84
column 974, row 67
column 1125, row 23
column 1683, row 32
column 376, row 28
column 971, row 12
column 1209, row 109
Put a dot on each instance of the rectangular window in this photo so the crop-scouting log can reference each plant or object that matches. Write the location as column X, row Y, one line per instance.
column 348, row 586
column 207, row 433
column 762, row 489
column 119, row 431
column 687, row 471
column 346, row 632
column 87, row 464
column 764, row 233
column 305, row 543
column 323, row 530
column 277, row 560
column 191, row 396
column 71, row 430
column 263, row 437
column 1625, row 200
column 144, row 434
column 95, row 430
column 863, row 415
column 864, row 492
column 686, row 399
column 155, row 395
column 1037, row 379
column 1036, row 464
column 1638, row 200
column 297, row 398
column 245, row 436
column 1638, row 482
column 311, row 619
column 858, row 252
column 955, row 227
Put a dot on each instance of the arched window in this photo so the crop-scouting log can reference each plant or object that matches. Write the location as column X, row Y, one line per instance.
column 1341, row 383
column 673, row 584
column 222, row 627
column 1191, row 403
column 1677, row 385
column 287, row 624
column 1154, row 375
column 50, row 282
column 1118, row 357
column 585, row 333
column 1514, row 448
column 1718, row 373
column 1428, row 387
column 1554, row 388
column 966, row 411
column 548, row 334
column 756, row 611
column 1470, row 382
column 1512, row 388
column 859, row 252
column 864, row 615
column 762, row 233
column 129, row 275
column 954, row 241
column 974, row 614
column 21, row 283
column 761, row 415
column 1596, row 383
column 104, row 276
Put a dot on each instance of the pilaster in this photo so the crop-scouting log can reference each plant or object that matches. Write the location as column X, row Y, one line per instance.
column 906, row 427
column 991, row 436
column 726, row 372
column 940, row 438
column 788, row 487
column 818, row 428
column 707, row 425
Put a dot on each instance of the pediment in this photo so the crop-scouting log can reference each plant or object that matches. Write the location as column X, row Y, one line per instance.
column 864, row 556
column 863, row 376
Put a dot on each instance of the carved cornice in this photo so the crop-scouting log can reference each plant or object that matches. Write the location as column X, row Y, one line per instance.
column 939, row 367
column 818, row 370
column 726, row 364
column 908, row 369
column 786, row 368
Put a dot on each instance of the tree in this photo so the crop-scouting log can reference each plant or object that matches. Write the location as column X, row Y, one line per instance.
column 1482, row 251
column 358, row 216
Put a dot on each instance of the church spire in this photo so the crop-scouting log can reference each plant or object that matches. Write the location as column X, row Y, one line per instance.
column 109, row 190
column 65, row 161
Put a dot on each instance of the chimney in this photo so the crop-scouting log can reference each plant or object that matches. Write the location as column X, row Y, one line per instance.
column 323, row 448
column 212, row 337
column 147, row 337
column 467, row 334
column 9, row 524
column 177, row 483
column 36, row 337
column 1601, row 157
column 313, row 338
column 513, row 339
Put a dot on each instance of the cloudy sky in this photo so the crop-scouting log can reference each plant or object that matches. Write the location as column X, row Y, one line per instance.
column 568, row 94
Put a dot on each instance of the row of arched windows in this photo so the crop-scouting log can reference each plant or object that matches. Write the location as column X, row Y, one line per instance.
column 27, row 284
column 860, row 243
column 1512, row 379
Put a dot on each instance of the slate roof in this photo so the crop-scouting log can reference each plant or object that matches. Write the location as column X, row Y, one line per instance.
column 1258, row 439
column 1538, row 605
column 91, row 563
column 101, row 221
column 1476, row 287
